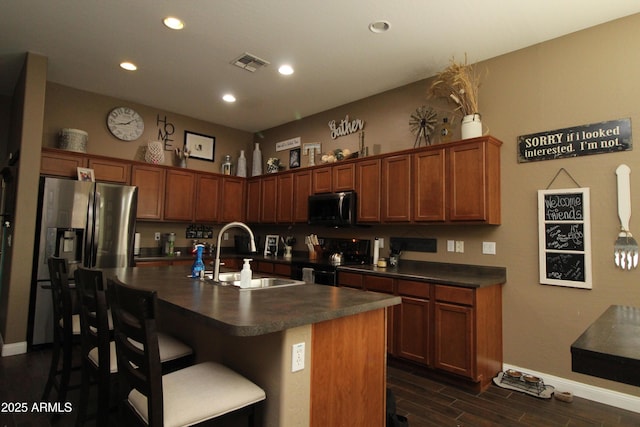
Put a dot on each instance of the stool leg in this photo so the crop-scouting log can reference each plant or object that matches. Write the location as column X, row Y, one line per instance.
column 67, row 356
column 53, row 369
column 84, row 394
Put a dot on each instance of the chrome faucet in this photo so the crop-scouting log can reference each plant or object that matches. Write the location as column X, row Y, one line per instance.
column 216, row 263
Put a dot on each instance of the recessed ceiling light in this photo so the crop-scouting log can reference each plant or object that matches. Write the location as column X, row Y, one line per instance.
column 379, row 26
column 229, row 98
column 285, row 69
column 173, row 23
column 129, row 66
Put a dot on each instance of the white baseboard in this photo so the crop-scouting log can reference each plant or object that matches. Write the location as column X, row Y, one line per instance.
column 586, row 391
column 13, row 348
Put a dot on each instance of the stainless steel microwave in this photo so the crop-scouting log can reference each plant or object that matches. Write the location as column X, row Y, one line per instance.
column 333, row 209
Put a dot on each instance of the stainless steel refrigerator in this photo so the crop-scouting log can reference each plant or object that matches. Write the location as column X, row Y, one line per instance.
column 89, row 224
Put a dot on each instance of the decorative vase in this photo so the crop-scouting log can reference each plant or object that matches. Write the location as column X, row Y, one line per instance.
column 242, row 165
column 471, row 126
column 155, row 153
column 183, row 162
column 256, row 166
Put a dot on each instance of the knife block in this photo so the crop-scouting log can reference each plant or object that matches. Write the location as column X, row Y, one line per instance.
column 316, row 252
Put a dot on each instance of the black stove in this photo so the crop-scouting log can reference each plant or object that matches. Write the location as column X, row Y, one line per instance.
column 352, row 251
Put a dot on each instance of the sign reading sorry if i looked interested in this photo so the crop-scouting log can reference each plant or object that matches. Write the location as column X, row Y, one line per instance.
column 596, row 138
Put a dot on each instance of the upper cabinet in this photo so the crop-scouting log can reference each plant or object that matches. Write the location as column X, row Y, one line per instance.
column 452, row 183
column 150, row 181
column 179, row 195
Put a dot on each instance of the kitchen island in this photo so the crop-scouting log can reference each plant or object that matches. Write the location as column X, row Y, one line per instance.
column 344, row 332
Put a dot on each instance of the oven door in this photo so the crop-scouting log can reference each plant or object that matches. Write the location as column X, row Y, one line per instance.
column 325, row 277
column 314, row 274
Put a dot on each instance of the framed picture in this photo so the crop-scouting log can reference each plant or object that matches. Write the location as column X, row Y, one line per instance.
column 200, row 146
column 294, row 158
column 271, row 245
column 85, row 174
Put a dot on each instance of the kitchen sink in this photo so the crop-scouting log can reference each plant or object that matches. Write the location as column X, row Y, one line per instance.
column 233, row 279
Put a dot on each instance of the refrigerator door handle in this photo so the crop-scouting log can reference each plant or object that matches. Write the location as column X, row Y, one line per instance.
column 90, row 248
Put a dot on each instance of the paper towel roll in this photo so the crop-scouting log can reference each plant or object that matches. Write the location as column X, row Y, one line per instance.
column 376, row 251
column 136, row 244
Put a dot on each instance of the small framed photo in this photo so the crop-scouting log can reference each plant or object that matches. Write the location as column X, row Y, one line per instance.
column 294, row 158
column 85, row 174
column 271, row 245
column 200, row 146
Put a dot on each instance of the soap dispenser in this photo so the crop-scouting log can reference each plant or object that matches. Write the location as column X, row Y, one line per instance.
column 245, row 274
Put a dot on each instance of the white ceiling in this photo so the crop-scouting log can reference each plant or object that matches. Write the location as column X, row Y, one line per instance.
column 336, row 58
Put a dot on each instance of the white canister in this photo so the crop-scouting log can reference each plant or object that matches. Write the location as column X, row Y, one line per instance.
column 471, row 126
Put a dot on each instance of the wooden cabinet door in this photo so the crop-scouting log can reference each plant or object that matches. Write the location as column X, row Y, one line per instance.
column 302, row 189
column 412, row 330
column 254, row 200
column 150, row 182
column 396, row 188
column 106, row 170
column 368, row 190
column 57, row 163
column 454, row 343
column 179, row 195
column 269, row 192
column 207, row 198
column 322, row 180
column 429, row 178
column 232, row 199
column 343, row 177
column 413, row 322
column 471, row 187
column 284, row 197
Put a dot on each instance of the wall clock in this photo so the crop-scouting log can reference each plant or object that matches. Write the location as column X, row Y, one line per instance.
column 125, row 123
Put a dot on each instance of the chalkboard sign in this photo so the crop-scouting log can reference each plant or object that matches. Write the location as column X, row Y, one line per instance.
column 565, row 237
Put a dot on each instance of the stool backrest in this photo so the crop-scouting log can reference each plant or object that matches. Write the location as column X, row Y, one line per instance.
column 94, row 318
column 62, row 298
column 134, row 319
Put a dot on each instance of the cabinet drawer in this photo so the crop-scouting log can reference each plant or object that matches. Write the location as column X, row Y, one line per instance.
column 414, row 289
column 378, row 284
column 454, row 294
column 282, row 270
column 352, row 280
column 265, row 267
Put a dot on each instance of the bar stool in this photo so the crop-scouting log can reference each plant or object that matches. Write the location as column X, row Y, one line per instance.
column 185, row 397
column 66, row 331
column 99, row 359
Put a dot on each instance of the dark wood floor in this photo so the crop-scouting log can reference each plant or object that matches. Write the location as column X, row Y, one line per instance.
column 423, row 401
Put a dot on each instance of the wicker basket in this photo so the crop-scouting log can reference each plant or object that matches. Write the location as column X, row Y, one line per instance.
column 73, row 140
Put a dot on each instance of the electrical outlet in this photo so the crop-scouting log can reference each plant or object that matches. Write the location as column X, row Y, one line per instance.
column 460, row 246
column 489, row 248
column 157, row 236
column 451, row 246
column 381, row 240
column 225, row 236
column 297, row 357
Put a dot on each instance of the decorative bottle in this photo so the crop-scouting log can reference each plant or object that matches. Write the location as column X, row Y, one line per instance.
column 242, row 165
column 226, row 166
column 256, row 166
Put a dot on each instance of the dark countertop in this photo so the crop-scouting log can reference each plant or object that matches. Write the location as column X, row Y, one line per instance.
column 255, row 312
column 470, row 276
column 610, row 347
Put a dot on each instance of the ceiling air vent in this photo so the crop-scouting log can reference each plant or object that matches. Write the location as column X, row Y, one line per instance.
column 249, row 62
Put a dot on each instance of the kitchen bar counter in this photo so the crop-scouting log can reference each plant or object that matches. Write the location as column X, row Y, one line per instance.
column 255, row 312
column 342, row 333
column 470, row 276
column 610, row 347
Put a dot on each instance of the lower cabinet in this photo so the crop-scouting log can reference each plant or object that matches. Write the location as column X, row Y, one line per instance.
column 453, row 330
